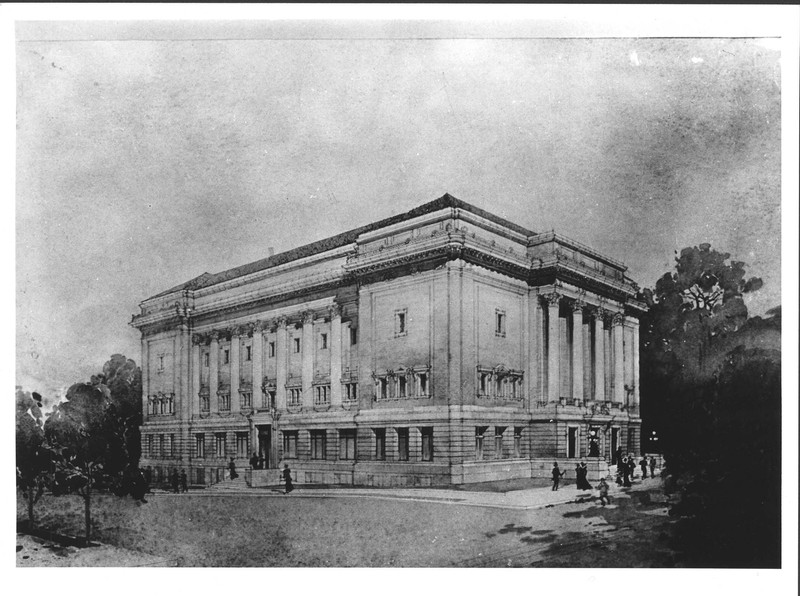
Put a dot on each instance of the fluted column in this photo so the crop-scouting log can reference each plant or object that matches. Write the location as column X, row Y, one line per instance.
column 258, row 362
column 145, row 376
column 280, row 365
column 234, row 360
column 619, row 362
column 195, row 389
column 599, row 357
column 577, row 349
column 336, row 355
column 307, row 369
column 553, row 347
column 213, row 372
column 635, row 356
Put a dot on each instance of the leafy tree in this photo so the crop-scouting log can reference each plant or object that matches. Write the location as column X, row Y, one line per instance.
column 33, row 456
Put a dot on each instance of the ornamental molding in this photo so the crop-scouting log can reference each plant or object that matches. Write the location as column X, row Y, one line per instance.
column 552, row 299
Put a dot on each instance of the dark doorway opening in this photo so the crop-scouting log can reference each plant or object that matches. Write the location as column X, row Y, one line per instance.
column 265, row 444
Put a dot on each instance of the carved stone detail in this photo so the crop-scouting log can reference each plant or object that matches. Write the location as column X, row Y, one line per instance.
column 551, row 299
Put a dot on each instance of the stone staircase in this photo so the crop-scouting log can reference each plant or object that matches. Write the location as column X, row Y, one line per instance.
column 229, row 486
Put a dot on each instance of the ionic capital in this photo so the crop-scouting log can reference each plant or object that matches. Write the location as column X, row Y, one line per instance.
column 199, row 339
column 281, row 322
column 214, row 335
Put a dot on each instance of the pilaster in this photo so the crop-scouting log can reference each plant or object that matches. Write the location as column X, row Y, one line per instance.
column 308, row 359
column 234, row 370
column 553, row 347
column 599, row 356
column 213, row 372
column 619, row 362
column 258, row 363
column 280, row 364
column 577, row 349
column 336, row 355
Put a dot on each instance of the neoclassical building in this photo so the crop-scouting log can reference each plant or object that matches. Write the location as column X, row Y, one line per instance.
column 445, row 345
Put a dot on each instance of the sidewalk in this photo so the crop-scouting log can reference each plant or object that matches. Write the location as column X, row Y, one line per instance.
column 522, row 499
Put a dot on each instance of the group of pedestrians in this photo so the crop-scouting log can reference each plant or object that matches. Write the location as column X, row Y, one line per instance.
column 626, row 471
column 180, row 482
column 626, row 468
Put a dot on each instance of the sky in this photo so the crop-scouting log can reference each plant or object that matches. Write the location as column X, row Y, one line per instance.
column 149, row 153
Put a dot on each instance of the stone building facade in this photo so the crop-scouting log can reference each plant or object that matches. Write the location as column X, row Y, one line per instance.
column 444, row 345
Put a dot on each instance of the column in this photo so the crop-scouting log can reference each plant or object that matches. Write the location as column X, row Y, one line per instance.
column 257, row 330
column 635, row 356
column 619, row 362
column 553, row 347
column 186, row 402
column 599, row 357
column 307, row 370
column 336, row 354
column 195, row 387
column 234, row 360
column 280, row 365
column 213, row 371
column 145, row 376
column 577, row 350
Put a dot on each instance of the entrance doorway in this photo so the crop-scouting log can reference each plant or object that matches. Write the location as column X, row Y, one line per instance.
column 264, row 444
column 572, row 442
column 594, row 441
column 614, row 445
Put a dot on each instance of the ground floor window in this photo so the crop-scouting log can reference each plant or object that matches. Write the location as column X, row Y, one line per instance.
column 318, row 444
column 402, row 444
column 517, row 441
column 242, row 446
column 149, row 448
column 200, row 446
column 380, row 444
column 200, row 475
column 479, row 431
column 498, row 441
column 427, row 443
column 347, row 444
column 290, row 443
column 219, row 444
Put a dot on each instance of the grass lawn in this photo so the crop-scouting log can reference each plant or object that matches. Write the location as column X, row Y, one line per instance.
column 284, row 531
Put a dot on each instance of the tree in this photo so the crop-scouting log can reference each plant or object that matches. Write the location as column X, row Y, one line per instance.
column 33, row 456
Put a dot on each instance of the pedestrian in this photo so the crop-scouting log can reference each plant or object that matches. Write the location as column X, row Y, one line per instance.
column 652, row 467
column 603, row 488
column 287, row 478
column 643, row 465
column 184, row 482
column 626, row 472
column 583, row 480
column 139, row 487
column 232, row 468
column 632, row 465
column 175, row 481
column 254, row 461
column 557, row 474
column 261, row 462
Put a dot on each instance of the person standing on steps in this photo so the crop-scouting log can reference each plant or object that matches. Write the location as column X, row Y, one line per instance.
column 287, row 478
column 232, row 468
column 184, row 482
column 557, row 474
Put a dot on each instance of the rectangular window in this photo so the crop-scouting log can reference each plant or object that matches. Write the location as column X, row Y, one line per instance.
column 160, row 363
column 242, row 446
column 399, row 323
column 295, row 397
column 290, row 443
column 517, row 441
column 248, row 353
column 323, row 341
column 500, row 323
column 246, row 399
column 318, row 444
column 219, row 444
column 572, row 442
column 479, row 430
column 272, row 349
column 296, row 345
column 200, row 446
column 380, row 444
column 226, row 356
column 427, row 443
column 347, row 444
column 205, row 359
column 170, row 445
column 224, row 402
column 384, row 386
column 322, row 395
column 498, row 441
column 205, row 403
column 402, row 444
column 483, row 383
column 161, row 445
column 401, row 385
column 353, row 336
column 423, row 383
column 350, row 391
column 268, row 399
column 150, row 451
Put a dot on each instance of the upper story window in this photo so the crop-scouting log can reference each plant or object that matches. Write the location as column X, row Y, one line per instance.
column 160, row 364
column 248, row 353
column 323, row 341
column 353, row 336
column 272, row 349
column 400, row 323
column 500, row 323
column 226, row 356
column 296, row 345
column 205, row 359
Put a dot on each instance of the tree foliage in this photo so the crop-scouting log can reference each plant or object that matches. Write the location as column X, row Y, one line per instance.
column 33, row 456
column 711, row 390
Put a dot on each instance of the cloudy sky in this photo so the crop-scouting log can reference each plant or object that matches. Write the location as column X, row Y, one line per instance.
column 148, row 154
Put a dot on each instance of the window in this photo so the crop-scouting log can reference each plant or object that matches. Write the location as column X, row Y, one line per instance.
column 399, row 323
column 484, row 379
column 224, row 402
column 401, row 386
column 427, row 443
column 205, row 359
column 160, row 363
column 272, row 349
column 205, row 403
column 296, row 345
column 517, row 441
column 323, row 341
column 422, row 381
column 248, row 353
column 290, row 443
column 384, row 388
column 295, row 396
column 268, row 399
column 500, row 323
column 246, row 399
column 572, row 442
column 402, row 444
column 318, row 444
column 347, row 444
column 479, row 430
column 498, row 441
column 242, row 444
column 353, row 336
column 161, row 446
column 150, row 445
column 170, row 448
column 219, row 444
column 200, row 446
column 226, row 356
column 350, row 391
column 380, row 444
column 322, row 394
